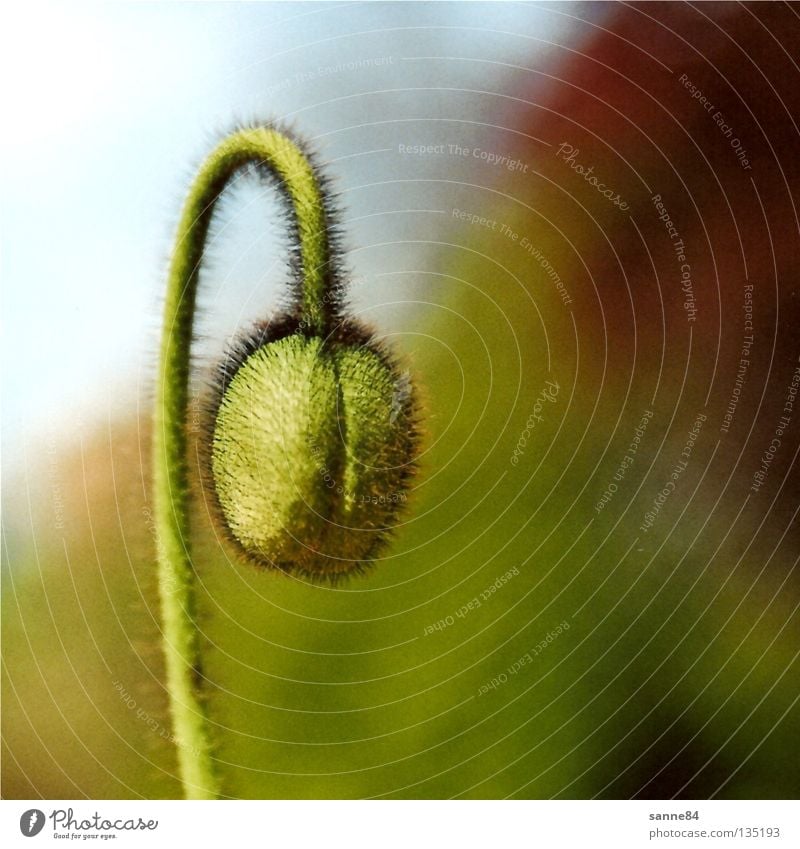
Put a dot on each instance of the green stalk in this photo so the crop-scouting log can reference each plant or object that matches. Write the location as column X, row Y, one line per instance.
column 264, row 147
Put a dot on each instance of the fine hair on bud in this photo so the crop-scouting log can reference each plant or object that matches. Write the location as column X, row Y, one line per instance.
column 311, row 446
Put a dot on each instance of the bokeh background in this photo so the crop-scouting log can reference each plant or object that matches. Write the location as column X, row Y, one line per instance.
column 612, row 654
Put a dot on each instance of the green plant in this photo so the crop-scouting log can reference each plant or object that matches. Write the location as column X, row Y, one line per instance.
column 313, row 436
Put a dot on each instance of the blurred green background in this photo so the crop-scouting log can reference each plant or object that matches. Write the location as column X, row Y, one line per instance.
column 659, row 661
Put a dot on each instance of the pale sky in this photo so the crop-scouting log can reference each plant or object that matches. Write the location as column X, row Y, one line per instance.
column 111, row 108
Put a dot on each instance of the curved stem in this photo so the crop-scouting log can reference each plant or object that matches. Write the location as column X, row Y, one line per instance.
column 263, row 147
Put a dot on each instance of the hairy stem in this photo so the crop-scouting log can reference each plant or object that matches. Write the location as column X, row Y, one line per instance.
column 264, row 147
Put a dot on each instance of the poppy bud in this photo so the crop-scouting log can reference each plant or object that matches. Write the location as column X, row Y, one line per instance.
column 314, row 433
column 313, row 444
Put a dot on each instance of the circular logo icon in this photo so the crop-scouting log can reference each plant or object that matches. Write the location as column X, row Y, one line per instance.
column 31, row 822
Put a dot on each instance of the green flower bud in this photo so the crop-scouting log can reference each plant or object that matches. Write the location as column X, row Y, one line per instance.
column 314, row 433
column 313, row 448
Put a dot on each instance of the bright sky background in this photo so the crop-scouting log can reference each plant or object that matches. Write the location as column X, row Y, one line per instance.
column 110, row 107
